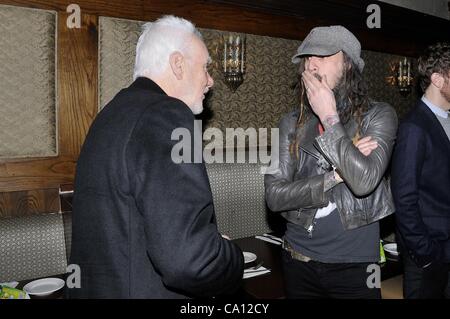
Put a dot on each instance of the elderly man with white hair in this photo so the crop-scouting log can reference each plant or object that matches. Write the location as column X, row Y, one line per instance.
column 143, row 225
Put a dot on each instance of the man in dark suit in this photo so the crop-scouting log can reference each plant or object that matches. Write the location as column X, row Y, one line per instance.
column 144, row 226
column 421, row 181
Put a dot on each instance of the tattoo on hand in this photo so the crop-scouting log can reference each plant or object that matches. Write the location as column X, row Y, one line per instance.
column 330, row 181
column 330, row 121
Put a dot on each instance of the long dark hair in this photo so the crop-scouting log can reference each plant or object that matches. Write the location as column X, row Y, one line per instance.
column 351, row 95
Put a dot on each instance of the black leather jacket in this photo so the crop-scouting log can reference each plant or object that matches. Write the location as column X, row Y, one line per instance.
column 296, row 187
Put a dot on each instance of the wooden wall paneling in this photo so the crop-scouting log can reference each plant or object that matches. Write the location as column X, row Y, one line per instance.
column 133, row 9
column 77, row 81
column 207, row 14
column 29, row 202
column 203, row 13
column 77, row 53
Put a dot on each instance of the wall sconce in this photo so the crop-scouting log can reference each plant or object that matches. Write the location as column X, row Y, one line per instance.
column 233, row 60
column 402, row 76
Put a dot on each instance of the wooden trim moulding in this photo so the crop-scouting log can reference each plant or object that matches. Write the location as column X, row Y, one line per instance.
column 77, row 86
column 403, row 31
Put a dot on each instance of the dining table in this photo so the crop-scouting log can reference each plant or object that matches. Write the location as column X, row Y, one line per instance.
column 265, row 286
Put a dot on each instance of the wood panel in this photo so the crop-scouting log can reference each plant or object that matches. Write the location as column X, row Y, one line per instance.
column 77, row 52
column 206, row 14
column 29, row 202
column 36, row 173
column 77, row 81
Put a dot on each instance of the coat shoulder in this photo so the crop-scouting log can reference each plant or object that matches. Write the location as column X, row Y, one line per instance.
column 383, row 116
column 382, row 109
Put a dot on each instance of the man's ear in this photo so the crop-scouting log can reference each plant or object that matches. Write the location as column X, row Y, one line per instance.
column 437, row 80
column 176, row 61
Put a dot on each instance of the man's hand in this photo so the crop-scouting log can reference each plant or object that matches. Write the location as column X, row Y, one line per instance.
column 321, row 98
column 366, row 145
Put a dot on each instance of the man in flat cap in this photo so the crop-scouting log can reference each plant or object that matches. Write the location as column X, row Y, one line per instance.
column 329, row 184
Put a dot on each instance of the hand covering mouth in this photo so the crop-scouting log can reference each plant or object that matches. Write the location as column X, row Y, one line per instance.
column 318, row 76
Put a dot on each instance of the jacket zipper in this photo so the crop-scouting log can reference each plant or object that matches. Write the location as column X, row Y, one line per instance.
column 316, row 145
column 309, row 153
column 310, row 229
column 366, row 206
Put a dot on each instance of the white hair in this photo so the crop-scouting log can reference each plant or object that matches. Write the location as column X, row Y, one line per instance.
column 158, row 41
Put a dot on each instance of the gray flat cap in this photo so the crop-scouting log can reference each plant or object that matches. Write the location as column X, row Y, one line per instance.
column 324, row 41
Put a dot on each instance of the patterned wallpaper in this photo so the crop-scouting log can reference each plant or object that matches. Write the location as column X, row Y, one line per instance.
column 265, row 94
column 378, row 67
column 267, row 91
column 28, row 82
column 117, row 52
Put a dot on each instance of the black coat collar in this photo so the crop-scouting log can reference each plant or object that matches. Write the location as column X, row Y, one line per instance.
column 142, row 83
column 434, row 123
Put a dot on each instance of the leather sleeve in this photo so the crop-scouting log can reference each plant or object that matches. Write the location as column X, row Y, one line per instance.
column 361, row 173
column 283, row 193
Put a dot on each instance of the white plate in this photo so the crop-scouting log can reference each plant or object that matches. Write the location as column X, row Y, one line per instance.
column 43, row 287
column 391, row 248
column 249, row 257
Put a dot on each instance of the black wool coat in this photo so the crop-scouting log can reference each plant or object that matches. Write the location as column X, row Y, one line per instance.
column 144, row 226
